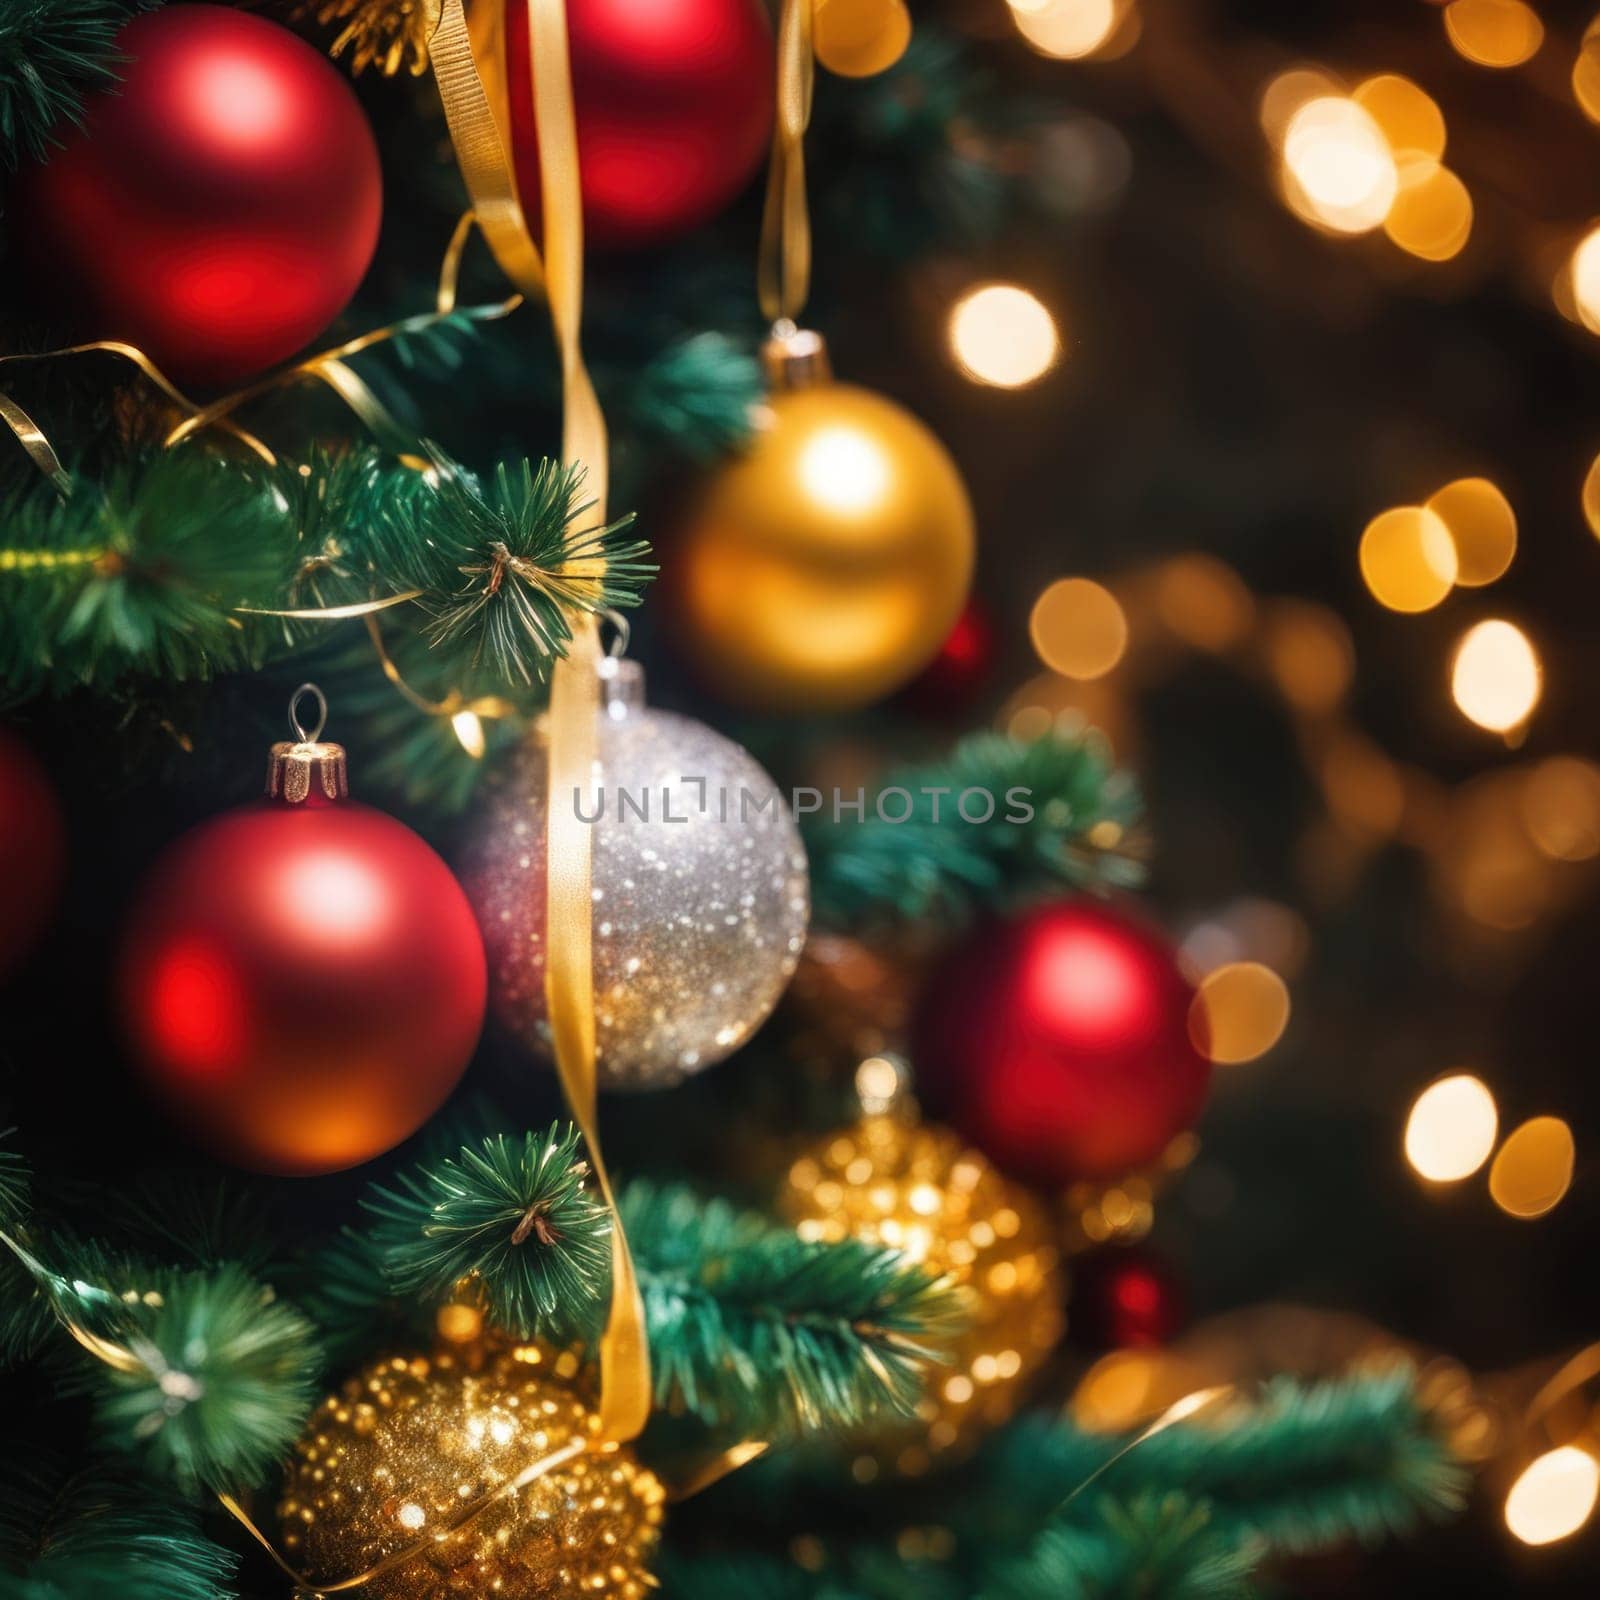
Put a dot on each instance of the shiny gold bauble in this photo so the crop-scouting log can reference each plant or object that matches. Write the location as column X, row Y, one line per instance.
column 410, row 1443
column 890, row 1180
column 824, row 566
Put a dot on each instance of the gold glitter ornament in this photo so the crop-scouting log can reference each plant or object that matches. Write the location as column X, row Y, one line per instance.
column 891, row 1180
column 409, row 1444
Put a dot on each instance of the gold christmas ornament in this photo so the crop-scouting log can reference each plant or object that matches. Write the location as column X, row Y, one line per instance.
column 916, row 1187
column 408, row 1445
column 824, row 566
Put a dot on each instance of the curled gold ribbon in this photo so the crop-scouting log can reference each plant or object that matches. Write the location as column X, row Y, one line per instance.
column 783, row 273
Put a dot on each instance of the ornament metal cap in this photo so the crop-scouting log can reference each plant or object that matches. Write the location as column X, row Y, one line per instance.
column 304, row 770
column 795, row 358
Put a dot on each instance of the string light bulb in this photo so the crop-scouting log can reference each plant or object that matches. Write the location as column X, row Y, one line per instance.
column 1002, row 335
column 1496, row 679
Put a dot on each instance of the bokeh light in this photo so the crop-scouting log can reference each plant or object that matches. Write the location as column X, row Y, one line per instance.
column 1553, row 1496
column 1451, row 1129
column 1591, row 497
column 1534, row 1168
column 1431, row 217
column 1494, row 33
column 1204, row 602
column 1309, row 654
column 1560, row 806
column 1586, row 73
column 1003, row 335
column 1584, row 274
column 1483, row 528
column 1408, row 559
column 468, row 726
column 857, row 38
column 1408, row 115
column 1078, row 628
column 1066, row 29
column 1338, row 169
column 1496, row 678
column 1290, row 90
column 1239, row 1012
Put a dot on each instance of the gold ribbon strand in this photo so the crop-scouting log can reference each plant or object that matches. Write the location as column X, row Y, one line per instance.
column 783, row 273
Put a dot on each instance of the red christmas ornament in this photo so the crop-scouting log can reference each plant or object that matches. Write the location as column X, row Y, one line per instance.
column 957, row 675
column 303, row 979
column 32, row 850
column 674, row 110
column 219, row 207
column 1058, row 1042
column 1126, row 1299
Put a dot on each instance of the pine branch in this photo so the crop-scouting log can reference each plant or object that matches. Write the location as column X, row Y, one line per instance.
column 95, row 1533
column 140, row 575
column 525, row 559
column 223, row 1378
column 752, row 1326
column 513, row 1213
column 936, row 865
column 1153, row 1547
column 1309, row 1466
column 52, row 54
column 696, row 396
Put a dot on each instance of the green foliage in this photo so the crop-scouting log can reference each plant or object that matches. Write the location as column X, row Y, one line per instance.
column 935, row 865
column 529, row 561
column 514, row 1213
column 52, row 54
column 1154, row 1547
column 96, row 1532
column 138, row 575
column 221, row 1381
column 696, row 395
column 752, row 1326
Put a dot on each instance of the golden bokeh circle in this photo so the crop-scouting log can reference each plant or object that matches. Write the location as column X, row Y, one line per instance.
column 1483, row 528
column 1238, row 1012
column 1408, row 115
column 1533, row 1170
column 1495, row 678
column 1078, row 628
column 1431, row 217
column 859, row 38
column 1451, row 1128
column 1408, row 559
column 1494, row 33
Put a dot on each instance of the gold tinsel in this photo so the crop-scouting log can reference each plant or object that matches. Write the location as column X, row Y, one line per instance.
column 406, row 1445
column 386, row 34
column 893, row 1181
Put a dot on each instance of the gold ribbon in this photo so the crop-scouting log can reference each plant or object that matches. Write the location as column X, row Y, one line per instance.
column 470, row 70
column 783, row 274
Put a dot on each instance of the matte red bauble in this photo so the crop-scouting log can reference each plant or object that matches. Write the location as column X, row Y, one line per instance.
column 219, row 207
column 674, row 110
column 32, row 850
column 1058, row 1042
column 1126, row 1299
column 303, row 980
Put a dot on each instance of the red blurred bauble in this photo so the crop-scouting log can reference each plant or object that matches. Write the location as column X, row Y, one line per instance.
column 1058, row 1042
column 303, row 980
column 219, row 206
column 961, row 670
column 1126, row 1299
column 674, row 110
column 32, row 850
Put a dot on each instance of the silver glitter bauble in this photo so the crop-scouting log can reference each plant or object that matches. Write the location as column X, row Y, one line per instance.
column 700, row 891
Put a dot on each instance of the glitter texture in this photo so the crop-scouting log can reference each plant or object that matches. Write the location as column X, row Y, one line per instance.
column 701, row 897
column 409, row 1443
column 893, row 1181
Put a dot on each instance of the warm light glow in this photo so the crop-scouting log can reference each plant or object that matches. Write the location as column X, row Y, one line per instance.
column 1338, row 168
column 1553, row 1496
column 1585, row 275
column 1204, row 602
column 1078, row 628
column 1494, row 33
column 1290, row 90
column 857, row 38
column 1451, row 1129
column 1534, row 1168
column 1586, row 74
column 844, row 470
column 1591, row 497
column 1066, row 29
column 1002, row 335
column 1561, row 808
column 1496, row 678
column 468, row 727
column 1239, row 1012
column 1309, row 654
column 1408, row 115
column 332, row 897
column 1408, row 559
column 1431, row 217
column 1483, row 528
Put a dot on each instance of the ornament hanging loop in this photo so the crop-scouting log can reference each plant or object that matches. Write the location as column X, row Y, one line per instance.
column 302, row 735
column 621, row 633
